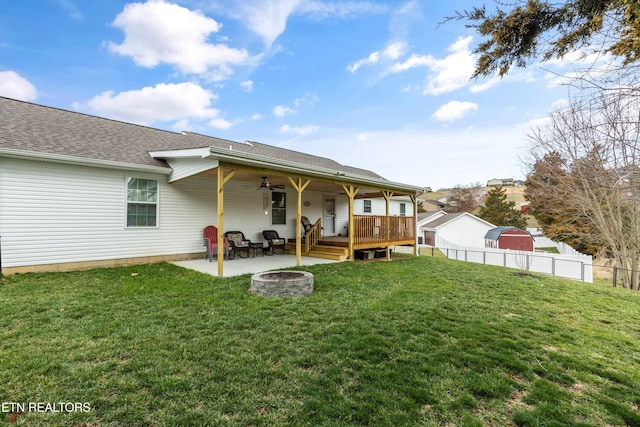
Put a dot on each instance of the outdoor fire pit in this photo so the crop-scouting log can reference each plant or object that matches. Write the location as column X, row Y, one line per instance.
column 282, row 284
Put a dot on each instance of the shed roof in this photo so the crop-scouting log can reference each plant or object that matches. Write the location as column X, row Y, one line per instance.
column 495, row 233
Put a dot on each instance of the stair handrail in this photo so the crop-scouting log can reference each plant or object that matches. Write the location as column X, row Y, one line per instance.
column 312, row 236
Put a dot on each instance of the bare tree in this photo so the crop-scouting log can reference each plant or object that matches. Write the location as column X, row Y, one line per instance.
column 597, row 139
column 465, row 198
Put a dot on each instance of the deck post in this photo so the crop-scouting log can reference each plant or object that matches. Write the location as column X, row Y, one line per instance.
column 387, row 197
column 414, row 199
column 351, row 192
column 222, row 180
column 299, row 186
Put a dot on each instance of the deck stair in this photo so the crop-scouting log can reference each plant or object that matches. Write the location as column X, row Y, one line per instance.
column 320, row 251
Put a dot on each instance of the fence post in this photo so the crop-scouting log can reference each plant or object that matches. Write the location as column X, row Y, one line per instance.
column 582, row 271
column 504, row 262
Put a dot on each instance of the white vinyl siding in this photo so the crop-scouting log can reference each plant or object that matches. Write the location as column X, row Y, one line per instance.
column 55, row 213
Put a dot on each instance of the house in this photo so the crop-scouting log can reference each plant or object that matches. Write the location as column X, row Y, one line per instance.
column 79, row 191
column 507, row 237
column 500, row 182
column 461, row 228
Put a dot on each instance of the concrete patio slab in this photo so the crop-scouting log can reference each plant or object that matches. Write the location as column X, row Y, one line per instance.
column 239, row 266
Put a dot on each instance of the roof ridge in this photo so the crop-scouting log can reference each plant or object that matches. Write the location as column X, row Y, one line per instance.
column 65, row 110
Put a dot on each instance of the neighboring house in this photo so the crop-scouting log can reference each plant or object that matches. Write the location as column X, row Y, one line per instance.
column 507, row 237
column 79, row 191
column 500, row 182
column 462, row 228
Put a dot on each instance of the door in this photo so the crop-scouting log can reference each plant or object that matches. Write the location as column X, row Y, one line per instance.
column 329, row 217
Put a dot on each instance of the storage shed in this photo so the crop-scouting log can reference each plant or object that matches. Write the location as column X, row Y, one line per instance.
column 508, row 237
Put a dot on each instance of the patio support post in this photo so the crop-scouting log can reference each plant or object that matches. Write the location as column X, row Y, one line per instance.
column 222, row 180
column 415, row 223
column 387, row 197
column 299, row 186
column 351, row 193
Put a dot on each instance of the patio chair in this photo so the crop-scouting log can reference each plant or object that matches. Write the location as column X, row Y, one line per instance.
column 306, row 224
column 276, row 243
column 239, row 245
column 211, row 242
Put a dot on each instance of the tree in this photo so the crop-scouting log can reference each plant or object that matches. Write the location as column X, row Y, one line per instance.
column 514, row 35
column 500, row 211
column 596, row 140
column 557, row 214
column 464, row 199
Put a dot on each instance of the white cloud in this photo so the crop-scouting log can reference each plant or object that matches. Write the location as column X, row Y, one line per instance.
column 326, row 9
column 445, row 74
column 281, row 111
column 247, row 85
column 454, row 110
column 298, row 130
column 268, row 18
column 220, row 123
column 160, row 32
column 71, row 9
column 463, row 152
column 13, row 85
column 308, row 99
column 257, row 116
column 412, row 62
column 163, row 102
column 391, row 53
column 453, row 71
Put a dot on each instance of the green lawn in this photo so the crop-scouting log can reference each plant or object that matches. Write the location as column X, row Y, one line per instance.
column 416, row 341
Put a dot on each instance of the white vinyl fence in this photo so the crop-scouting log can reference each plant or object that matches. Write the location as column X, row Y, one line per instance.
column 578, row 267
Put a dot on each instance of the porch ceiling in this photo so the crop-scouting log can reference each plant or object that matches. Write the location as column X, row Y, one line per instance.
column 254, row 176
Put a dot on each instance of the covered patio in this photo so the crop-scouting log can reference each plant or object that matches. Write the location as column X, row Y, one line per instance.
column 250, row 164
column 258, row 264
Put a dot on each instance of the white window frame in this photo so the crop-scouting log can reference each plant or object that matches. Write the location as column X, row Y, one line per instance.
column 128, row 202
column 365, row 207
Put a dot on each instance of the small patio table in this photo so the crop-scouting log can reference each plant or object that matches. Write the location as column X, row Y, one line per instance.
column 255, row 247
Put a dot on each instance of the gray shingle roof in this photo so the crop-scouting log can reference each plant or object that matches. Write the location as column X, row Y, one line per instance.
column 443, row 219
column 37, row 128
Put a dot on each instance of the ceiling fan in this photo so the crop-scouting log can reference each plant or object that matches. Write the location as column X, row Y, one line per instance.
column 266, row 185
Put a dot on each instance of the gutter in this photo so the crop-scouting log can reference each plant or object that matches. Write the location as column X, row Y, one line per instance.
column 81, row 161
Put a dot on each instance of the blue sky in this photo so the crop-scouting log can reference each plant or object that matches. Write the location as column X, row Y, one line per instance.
column 373, row 84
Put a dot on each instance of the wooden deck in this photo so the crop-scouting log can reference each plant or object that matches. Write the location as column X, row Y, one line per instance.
column 369, row 232
column 375, row 231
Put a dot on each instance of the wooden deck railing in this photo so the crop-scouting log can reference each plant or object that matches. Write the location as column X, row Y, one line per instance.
column 312, row 236
column 383, row 229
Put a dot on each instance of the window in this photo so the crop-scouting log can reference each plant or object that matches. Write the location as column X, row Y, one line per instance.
column 367, row 206
column 403, row 209
column 278, row 208
column 142, row 202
